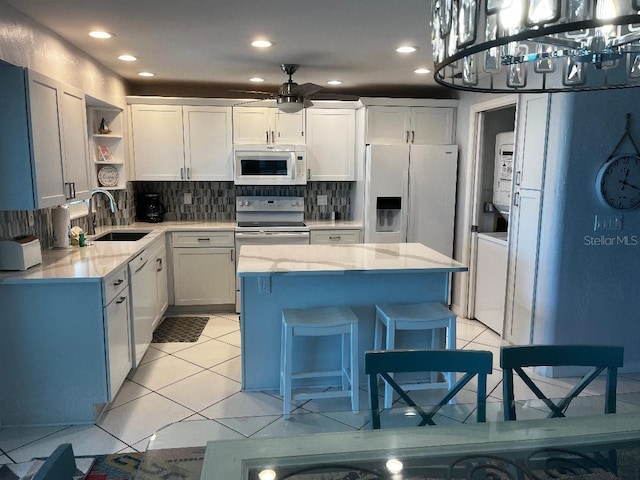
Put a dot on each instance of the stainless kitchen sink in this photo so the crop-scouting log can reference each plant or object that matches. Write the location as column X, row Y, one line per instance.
column 121, row 236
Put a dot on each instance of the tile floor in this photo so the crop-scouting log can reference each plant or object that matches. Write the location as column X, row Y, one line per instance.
column 183, row 382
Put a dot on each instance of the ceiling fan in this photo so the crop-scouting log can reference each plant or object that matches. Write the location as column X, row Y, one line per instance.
column 291, row 97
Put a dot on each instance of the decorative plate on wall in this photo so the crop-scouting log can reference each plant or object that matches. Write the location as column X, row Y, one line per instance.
column 108, row 176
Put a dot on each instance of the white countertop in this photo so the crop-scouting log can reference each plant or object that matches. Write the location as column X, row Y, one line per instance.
column 94, row 262
column 363, row 257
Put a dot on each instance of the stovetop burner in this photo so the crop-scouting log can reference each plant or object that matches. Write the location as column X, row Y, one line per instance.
column 264, row 224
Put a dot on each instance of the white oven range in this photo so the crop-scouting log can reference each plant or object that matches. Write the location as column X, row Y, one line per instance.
column 268, row 220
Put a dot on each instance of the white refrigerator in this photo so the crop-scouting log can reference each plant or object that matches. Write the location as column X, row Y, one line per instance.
column 410, row 195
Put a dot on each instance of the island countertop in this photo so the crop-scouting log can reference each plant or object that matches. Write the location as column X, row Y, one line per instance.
column 259, row 260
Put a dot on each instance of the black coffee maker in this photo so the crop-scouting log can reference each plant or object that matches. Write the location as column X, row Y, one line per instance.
column 150, row 208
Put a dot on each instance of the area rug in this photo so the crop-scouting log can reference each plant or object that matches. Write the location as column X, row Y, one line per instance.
column 180, row 329
column 169, row 464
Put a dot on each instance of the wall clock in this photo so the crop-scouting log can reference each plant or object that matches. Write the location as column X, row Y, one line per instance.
column 618, row 182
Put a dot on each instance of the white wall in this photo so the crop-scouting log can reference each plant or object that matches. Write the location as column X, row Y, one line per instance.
column 25, row 43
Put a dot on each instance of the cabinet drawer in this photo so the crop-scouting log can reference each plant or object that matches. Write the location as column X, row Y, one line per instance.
column 335, row 236
column 114, row 282
column 203, row 239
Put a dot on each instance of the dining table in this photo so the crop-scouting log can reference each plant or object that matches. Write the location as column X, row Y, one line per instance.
column 592, row 447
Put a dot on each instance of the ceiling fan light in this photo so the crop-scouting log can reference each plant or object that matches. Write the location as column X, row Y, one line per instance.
column 290, row 104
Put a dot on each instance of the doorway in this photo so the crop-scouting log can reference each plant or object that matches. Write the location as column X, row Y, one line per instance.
column 493, row 126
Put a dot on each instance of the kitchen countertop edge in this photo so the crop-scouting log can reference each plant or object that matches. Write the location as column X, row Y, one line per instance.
column 99, row 259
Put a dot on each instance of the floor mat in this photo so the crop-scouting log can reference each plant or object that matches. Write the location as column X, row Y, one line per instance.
column 180, row 329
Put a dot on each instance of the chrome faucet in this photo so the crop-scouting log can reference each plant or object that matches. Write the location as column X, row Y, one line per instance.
column 92, row 217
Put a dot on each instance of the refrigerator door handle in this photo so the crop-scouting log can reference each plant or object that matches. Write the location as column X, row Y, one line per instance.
column 407, row 227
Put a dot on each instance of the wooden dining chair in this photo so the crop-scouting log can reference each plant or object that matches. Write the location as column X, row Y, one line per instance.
column 470, row 362
column 600, row 358
column 61, row 465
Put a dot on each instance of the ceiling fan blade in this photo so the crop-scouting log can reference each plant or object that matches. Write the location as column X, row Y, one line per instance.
column 254, row 91
column 250, row 101
column 306, row 89
column 307, row 103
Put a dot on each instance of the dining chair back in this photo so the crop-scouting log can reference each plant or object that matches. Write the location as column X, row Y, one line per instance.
column 61, row 465
column 600, row 358
column 471, row 363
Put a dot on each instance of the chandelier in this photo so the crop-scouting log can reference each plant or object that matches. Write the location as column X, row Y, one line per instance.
column 532, row 46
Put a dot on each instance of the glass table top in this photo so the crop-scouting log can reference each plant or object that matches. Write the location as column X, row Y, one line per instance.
column 593, row 447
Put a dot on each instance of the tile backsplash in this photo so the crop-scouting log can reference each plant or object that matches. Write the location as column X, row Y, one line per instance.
column 209, row 201
column 16, row 222
column 216, row 200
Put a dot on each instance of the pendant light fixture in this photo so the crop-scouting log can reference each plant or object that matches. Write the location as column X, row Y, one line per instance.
column 532, row 46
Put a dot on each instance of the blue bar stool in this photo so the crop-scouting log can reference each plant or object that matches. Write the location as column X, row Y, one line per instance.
column 432, row 316
column 314, row 322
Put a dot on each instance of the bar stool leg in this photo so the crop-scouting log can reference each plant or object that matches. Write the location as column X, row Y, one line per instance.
column 282, row 350
column 355, row 374
column 344, row 362
column 288, row 357
column 391, row 342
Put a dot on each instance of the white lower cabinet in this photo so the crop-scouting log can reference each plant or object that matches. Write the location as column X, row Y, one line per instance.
column 336, row 236
column 116, row 321
column 203, row 268
column 158, row 257
column 78, row 355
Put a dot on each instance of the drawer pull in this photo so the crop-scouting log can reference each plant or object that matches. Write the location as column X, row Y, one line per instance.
column 335, row 237
column 118, row 282
column 121, row 299
column 204, row 239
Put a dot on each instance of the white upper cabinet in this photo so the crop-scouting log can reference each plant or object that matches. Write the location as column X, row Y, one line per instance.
column 74, row 127
column 531, row 142
column 267, row 126
column 208, row 147
column 158, row 149
column 42, row 141
column 174, row 142
column 331, row 144
column 407, row 125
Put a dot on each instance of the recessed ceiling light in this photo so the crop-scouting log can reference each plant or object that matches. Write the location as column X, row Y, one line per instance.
column 100, row 34
column 335, row 82
column 147, row 74
column 256, row 79
column 261, row 43
column 422, row 71
column 127, row 58
column 406, row 49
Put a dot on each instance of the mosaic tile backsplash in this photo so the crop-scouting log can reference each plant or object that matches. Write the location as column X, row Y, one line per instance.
column 216, row 200
column 210, row 201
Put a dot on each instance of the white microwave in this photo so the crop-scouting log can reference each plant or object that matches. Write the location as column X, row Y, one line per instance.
column 270, row 165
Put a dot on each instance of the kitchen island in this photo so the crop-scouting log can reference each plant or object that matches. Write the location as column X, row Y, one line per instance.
column 274, row 277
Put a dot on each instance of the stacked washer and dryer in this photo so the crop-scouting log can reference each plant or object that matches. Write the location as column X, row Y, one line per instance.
column 491, row 253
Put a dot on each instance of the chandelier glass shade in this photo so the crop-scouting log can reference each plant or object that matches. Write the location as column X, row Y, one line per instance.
column 509, row 46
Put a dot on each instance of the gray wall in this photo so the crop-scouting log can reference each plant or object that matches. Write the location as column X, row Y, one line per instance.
column 588, row 293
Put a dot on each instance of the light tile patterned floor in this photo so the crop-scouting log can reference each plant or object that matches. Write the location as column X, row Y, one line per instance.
column 184, row 382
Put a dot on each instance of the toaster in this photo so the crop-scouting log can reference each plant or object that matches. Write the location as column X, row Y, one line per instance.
column 20, row 253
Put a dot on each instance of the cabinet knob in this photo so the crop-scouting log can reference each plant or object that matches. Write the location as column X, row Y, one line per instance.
column 121, row 299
